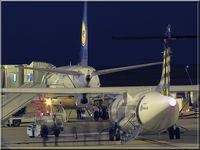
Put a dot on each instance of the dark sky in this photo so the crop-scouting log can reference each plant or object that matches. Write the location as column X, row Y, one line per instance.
column 51, row 32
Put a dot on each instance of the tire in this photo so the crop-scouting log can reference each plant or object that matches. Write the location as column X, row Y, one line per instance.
column 104, row 115
column 177, row 133
column 96, row 115
column 16, row 123
column 111, row 135
column 171, row 132
column 118, row 135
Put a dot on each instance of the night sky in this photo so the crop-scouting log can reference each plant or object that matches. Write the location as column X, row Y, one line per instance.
column 51, row 32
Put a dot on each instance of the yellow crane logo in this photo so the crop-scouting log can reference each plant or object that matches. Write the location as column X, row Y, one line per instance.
column 84, row 34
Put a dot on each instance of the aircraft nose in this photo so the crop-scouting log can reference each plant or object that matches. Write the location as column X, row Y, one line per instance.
column 158, row 112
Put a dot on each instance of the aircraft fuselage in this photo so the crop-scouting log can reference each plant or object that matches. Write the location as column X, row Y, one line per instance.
column 73, row 81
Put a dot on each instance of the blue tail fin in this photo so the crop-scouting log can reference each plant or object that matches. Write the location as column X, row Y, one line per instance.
column 164, row 84
column 84, row 39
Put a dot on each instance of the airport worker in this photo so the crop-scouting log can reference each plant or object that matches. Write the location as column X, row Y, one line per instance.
column 56, row 133
column 33, row 130
column 44, row 134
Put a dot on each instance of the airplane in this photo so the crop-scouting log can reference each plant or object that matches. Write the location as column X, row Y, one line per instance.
column 80, row 75
column 132, row 111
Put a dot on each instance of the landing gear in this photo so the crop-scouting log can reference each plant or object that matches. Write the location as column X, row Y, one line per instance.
column 104, row 113
column 114, row 134
column 118, row 137
column 173, row 132
column 96, row 115
column 84, row 100
column 111, row 134
column 177, row 132
column 101, row 113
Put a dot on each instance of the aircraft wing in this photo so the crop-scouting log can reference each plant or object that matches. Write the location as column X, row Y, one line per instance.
column 184, row 88
column 112, row 70
column 61, row 71
column 98, row 90
column 73, row 91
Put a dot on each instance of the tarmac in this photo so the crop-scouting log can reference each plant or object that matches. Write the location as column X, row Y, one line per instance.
column 89, row 134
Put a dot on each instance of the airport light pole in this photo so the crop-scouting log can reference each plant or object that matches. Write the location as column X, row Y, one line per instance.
column 189, row 96
column 186, row 70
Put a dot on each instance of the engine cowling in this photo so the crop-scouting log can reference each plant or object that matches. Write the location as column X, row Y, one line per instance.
column 157, row 112
column 151, row 110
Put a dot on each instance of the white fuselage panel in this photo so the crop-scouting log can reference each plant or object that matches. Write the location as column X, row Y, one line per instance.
column 73, row 81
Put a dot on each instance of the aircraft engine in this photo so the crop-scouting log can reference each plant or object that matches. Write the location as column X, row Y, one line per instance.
column 150, row 111
column 157, row 112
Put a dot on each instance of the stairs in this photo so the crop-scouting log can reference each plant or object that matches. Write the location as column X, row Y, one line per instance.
column 13, row 102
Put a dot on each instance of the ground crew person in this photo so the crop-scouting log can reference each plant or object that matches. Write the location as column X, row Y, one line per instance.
column 44, row 134
column 56, row 133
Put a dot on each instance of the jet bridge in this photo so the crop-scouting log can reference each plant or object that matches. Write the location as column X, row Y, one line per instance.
column 13, row 102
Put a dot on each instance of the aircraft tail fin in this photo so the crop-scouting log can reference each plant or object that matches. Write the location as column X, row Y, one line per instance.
column 84, row 39
column 164, row 85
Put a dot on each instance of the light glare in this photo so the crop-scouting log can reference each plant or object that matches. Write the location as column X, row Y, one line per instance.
column 48, row 101
column 172, row 101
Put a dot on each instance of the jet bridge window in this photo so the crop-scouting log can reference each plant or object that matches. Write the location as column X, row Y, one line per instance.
column 14, row 77
column 30, row 77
